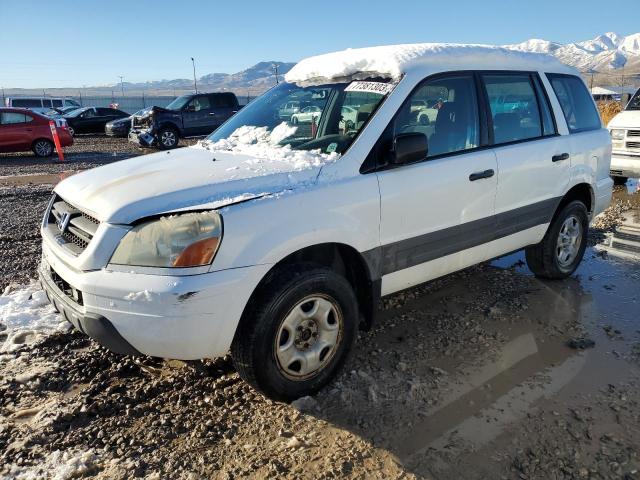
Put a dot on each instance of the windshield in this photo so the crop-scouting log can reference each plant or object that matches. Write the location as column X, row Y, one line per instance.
column 325, row 118
column 178, row 103
column 75, row 112
column 634, row 103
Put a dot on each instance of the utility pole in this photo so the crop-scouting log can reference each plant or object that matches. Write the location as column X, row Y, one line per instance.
column 195, row 85
column 4, row 101
column 121, row 84
column 275, row 69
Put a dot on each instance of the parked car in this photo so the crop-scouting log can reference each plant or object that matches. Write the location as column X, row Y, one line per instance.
column 121, row 126
column 625, row 134
column 92, row 119
column 187, row 116
column 288, row 109
column 277, row 244
column 22, row 130
column 306, row 115
column 40, row 104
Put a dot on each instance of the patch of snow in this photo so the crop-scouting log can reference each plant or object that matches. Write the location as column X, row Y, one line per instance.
column 57, row 466
column 392, row 61
column 263, row 147
column 26, row 315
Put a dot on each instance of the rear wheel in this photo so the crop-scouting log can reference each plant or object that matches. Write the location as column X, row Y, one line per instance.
column 43, row 148
column 167, row 138
column 562, row 248
column 296, row 335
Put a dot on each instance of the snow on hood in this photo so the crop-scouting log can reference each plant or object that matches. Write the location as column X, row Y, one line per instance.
column 249, row 164
column 392, row 61
column 626, row 119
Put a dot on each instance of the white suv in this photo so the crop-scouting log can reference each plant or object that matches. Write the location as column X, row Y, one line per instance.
column 625, row 133
column 276, row 241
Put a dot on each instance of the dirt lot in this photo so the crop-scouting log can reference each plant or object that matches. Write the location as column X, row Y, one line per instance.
column 469, row 376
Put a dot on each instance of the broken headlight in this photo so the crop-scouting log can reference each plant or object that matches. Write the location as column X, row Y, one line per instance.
column 187, row 240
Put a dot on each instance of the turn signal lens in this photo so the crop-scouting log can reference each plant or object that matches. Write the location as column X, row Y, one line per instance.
column 198, row 253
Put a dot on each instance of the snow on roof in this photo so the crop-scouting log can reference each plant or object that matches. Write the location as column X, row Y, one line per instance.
column 392, row 61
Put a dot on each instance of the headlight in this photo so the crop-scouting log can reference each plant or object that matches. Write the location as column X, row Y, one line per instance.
column 617, row 134
column 186, row 240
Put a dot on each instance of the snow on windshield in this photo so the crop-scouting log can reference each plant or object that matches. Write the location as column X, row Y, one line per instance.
column 264, row 146
column 392, row 61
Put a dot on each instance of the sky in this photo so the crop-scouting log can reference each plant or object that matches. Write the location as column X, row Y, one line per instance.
column 67, row 43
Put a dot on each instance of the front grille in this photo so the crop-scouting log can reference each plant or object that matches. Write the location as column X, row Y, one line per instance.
column 633, row 133
column 633, row 144
column 64, row 286
column 73, row 228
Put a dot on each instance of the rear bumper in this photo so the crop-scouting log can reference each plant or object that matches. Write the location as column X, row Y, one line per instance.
column 116, row 132
column 625, row 165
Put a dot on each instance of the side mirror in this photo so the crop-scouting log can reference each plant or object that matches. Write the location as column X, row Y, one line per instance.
column 409, row 148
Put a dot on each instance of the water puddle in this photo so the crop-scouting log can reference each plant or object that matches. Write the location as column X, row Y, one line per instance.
column 36, row 178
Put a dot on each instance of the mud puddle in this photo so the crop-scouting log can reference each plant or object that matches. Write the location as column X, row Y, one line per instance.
column 36, row 178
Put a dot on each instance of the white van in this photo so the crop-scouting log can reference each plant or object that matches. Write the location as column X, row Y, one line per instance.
column 276, row 241
column 625, row 134
column 40, row 104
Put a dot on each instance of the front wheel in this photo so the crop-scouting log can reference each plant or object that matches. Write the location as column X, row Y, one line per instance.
column 561, row 250
column 297, row 333
column 167, row 138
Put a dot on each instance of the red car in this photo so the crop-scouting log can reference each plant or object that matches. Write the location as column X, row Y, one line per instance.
column 22, row 130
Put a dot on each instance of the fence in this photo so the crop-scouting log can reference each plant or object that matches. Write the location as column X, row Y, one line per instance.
column 133, row 103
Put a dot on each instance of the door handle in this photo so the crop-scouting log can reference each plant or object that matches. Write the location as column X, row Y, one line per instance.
column 479, row 175
column 560, row 157
column 212, row 114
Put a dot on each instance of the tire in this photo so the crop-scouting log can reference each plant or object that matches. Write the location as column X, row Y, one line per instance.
column 168, row 138
column 620, row 180
column 548, row 259
column 43, row 148
column 277, row 328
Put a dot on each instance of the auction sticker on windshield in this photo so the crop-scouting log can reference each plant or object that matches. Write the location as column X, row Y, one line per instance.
column 369, row 87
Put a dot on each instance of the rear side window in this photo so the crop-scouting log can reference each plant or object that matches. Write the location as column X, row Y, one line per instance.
column 577, row 105
column 57, row 103
column 514, row 107
column 26, row 103
column 11, row 118
column 222, row 101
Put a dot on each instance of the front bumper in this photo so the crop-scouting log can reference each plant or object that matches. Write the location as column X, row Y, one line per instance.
column 625, row 165
column 112, row 131
column 142, row 138
column 182, row 317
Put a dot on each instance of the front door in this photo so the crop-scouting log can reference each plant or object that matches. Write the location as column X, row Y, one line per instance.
column 436, row 214
column 197, row 116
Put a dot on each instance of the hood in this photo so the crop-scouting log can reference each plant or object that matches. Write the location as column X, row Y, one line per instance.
column 626, row 119
column 187, row 178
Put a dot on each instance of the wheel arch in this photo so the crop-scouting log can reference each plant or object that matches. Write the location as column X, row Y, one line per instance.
column 171, row 125
column 582, row 192
column 345, row 260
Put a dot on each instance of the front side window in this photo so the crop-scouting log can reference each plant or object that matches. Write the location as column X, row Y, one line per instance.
column 88, row 113
column 445, row 110
column 199, row 103
column 324, row 118
column 576, row 103
column 57, row 103
column 514, row 107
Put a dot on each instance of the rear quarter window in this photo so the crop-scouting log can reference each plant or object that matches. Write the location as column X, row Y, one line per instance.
column 27, row 103
column 576, row 103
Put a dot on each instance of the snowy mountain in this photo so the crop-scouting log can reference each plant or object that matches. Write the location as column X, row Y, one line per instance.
column 605, row 52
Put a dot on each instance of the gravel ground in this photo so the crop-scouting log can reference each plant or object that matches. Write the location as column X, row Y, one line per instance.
column 465, row 377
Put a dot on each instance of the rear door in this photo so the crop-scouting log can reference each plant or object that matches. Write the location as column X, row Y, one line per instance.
column 437, row 213
column 224, row 106
column 15, row 131
column 533, row 160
